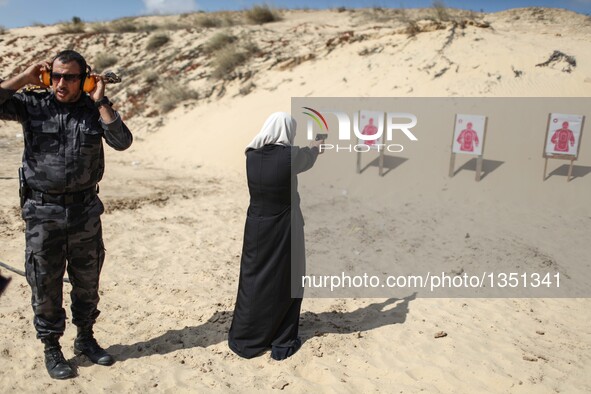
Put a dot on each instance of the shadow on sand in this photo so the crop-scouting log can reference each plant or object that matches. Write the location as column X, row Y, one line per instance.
column 578, row 171
column 390, row 163
column 215, row 329
column 488, row 166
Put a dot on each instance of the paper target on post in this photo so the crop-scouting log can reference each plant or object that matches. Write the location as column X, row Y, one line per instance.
column 563, row 135
column 469, row 134
column 371, row 123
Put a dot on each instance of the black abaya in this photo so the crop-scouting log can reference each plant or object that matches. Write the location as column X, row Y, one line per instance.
column 265, row 314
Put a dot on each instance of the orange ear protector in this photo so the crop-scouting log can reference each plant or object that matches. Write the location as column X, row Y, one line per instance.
column 87, row 85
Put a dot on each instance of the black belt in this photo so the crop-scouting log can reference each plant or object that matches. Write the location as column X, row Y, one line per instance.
column 65, row 198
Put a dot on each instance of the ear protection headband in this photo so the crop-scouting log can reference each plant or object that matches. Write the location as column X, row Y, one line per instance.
column 87, row 82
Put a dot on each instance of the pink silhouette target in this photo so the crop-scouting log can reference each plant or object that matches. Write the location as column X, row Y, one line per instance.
column 468, row 139
column 562, row 138
column 370, row 129
column 371, row 123
column 469, row 134
column 564, row 133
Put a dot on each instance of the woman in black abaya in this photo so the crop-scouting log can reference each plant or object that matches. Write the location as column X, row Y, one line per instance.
column 266, row 315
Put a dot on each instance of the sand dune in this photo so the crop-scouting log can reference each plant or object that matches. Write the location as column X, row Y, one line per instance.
column 176, row 205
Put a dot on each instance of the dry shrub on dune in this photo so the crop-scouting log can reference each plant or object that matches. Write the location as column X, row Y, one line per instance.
column 208, row 21
column 412, row 28
column 230, row 57
column 441, row 12
column 219, row 41
column 151, row 76
column 156, row 41
column 260, row 14
column 126, row 25
column 101, row 28
column 227, row 59
column 123, row 26
column 73, row 27
column 104, row 60
column 173, row 26
column 172, row 94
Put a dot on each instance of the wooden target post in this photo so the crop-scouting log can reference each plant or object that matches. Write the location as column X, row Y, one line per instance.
column 370, row 123
column 560, row 157
column 565, row 141
column 458, row 135
column 380, row 160
column 452, row 163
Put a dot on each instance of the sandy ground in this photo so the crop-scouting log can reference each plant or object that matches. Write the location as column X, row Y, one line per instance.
column 176, row 203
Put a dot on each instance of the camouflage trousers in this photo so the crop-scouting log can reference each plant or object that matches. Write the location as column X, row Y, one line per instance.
column 55, row 235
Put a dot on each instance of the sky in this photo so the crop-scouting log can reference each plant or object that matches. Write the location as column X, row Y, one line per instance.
column 19, row 13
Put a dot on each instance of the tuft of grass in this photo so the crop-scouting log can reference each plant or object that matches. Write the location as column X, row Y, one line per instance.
column 227, row 59
column 104, row 60
column 100, row 28
column 151, row 77
column 156, row 41
column 75, row 26
column 219, row 41
column 376, row 15
column 260, row 14
column 245, row 90
column 149, row 27
column 172, row 26
column 441, row 12
column 69, row 28
column 2, row 30
column 213, row 20
column 123, row 26
column 412, row 28
column 229, row 20
column 251, row 48
column 208, row 21
column 172, row 95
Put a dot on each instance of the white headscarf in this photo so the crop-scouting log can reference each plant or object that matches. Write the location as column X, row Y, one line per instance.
column 279, row 129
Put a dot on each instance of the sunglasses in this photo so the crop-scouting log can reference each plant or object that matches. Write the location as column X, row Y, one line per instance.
column 67, row 77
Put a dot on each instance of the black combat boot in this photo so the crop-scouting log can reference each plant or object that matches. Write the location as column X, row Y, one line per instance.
column 87, row 345
column 56, row 364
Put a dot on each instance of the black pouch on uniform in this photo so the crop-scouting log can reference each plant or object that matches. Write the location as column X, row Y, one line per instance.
column 22, row 186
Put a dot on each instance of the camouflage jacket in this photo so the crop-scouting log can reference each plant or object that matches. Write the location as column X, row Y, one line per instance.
column 63, row 142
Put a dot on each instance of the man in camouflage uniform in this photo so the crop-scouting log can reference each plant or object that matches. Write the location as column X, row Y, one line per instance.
column 63, row 161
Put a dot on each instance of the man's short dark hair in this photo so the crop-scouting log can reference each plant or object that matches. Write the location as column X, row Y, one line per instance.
column 68, row 56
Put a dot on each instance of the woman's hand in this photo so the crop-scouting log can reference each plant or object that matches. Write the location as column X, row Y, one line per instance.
column 316, row 144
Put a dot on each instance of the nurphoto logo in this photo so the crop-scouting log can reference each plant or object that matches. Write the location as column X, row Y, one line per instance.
column 371, row 130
